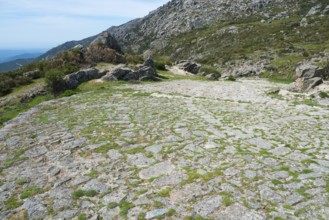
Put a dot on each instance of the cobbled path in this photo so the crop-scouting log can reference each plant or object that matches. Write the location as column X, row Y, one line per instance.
column 173, row 150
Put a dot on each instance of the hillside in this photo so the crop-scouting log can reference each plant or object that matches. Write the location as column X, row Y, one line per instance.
column 97, row 132
column 227, row 34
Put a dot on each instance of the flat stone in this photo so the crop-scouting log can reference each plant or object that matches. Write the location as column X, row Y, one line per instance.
column 294, row 199
column 280, row 151
column 35, row 209
column 13, row 142
column 261, row 143
column 270, row 161
column 67, row 214
column 159, row 169
column 231, row 171
column 156, row 213
column 35, row 152
column 238, row 212
column 154, row 149
column 169, row 180
column 140, row 160
column 270, row 195
column 116, row 196
column 188, row 192
column 95, row 185
column 207, row 206
column 210, row 145
column 250, row 174
column 114, row 154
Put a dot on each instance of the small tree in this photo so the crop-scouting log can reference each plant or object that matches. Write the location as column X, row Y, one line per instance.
column 55, row 81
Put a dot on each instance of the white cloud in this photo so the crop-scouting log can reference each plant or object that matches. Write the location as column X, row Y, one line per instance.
column 47, row 23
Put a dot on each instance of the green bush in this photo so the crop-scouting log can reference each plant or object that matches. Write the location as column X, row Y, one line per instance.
column 55, row 82
column 161, row 62
column 134, row 59
column 231, row 78
column 210, row 69
column 68, row 93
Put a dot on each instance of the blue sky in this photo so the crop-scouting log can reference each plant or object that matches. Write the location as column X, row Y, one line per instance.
column 26, row 24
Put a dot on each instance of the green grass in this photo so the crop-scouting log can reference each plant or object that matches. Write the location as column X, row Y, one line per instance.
column 12, row 109
column 171, row 212
column 113, row 205
column 30, row 191
column 164, row 192
column 82, row 216
column 93, row 174
column 324, row 95
column 105, row 148
column 80, row 193
column 124, row 208
column 13, row 203
column 276, row 182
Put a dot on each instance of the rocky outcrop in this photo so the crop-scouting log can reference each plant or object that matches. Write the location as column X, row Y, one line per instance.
column 107, row 40
column 188, row 66
column 73, row 80
column 144, row 72
column 314, row 10
column 39, row 90
column 246, row 68
column 308, row 71
column 307, row 77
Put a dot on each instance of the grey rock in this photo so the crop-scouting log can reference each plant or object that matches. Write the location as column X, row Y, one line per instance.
column 189, row 192
column 189, row 66
column 149, row 63
column 326, row 10
column 314, row 10
column 12, row 142
column 280, row 151
column 67, row 214
column 311, row 83
column 35, row 152
column 270, row 195
column 156, row 213
column 250, row 174
column 169, row 180
column 106, row 39
column 116, row 196
column 35, row 209
column 95, row 185
column 238, row 211
column 156, row 170
column 212, row 76
column 73, row 80
column 114, row 154
column 303, row 22
column 144, row 72
column 140, row 160
column 308, row 71
column 207, row 206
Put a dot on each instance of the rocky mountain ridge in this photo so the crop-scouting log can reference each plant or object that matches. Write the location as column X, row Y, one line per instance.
column 180, row 16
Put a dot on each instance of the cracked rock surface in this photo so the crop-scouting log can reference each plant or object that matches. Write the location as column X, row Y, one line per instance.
column 220, row 150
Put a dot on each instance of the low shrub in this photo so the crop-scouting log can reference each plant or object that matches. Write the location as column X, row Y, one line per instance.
column 54, row 80
column 160, row 62
column 210, row 69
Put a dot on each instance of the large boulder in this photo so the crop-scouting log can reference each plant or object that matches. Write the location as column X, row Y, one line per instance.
column 107, row 40
column 311, row 83
column 308, row 71
column 73, row 80
column 314, row 10
column 189, row 66
column 146, row 71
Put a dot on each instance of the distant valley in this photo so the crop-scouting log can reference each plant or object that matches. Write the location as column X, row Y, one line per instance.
column 12, row 59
